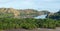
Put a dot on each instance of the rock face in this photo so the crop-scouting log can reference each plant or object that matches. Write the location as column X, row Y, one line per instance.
column 15, row 12
column 9, row 10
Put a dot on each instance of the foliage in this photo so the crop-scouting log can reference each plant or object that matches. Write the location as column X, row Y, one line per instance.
column 46, row 23
column 28, row 23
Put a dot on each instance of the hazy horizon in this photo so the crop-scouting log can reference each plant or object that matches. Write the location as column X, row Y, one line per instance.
column 50, row 5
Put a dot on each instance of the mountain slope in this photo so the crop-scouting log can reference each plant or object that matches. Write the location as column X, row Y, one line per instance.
column 10, row 12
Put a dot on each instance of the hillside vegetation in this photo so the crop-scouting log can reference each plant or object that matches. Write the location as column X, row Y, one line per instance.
column 28, row 23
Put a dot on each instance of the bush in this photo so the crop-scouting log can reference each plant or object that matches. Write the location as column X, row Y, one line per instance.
column 27, row 23
column 46, row 23
column 58, row 23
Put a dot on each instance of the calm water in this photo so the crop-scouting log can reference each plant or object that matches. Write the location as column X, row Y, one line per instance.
column 41, row 16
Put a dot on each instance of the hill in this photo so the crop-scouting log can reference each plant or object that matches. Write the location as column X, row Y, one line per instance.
column 54, row 15
column 21, row 13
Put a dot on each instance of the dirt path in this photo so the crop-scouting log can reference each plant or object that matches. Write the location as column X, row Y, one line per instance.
column 38, row 29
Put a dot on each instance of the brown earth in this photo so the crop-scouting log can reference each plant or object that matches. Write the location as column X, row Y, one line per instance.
column 38, row 29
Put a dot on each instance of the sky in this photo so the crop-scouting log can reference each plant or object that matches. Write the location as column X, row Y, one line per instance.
column 50, row 5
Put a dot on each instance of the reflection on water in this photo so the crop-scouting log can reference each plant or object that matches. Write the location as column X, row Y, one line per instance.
column 41, row 16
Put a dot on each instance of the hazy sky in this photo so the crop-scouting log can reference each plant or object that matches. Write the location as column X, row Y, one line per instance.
column 51, row 5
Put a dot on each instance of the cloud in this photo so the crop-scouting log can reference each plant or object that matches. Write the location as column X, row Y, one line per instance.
column 48, row 0
column 32, row 4
column 21, row 4
column 51, row 0
column 5, row 1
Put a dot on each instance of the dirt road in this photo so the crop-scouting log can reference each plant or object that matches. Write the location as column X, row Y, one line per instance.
column 38, row 29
